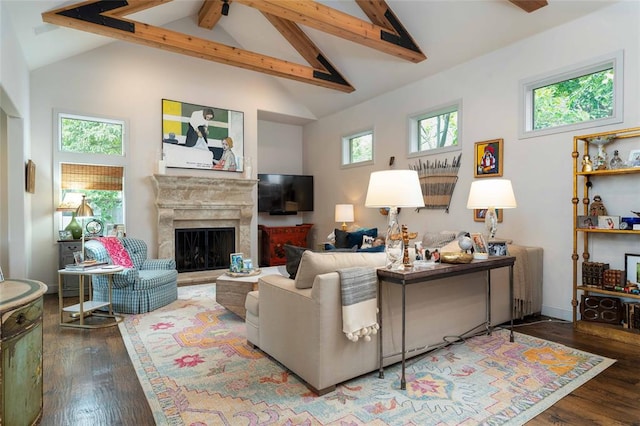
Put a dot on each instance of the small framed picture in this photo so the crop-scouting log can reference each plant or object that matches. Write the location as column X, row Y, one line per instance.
column 480, row 250
column 480, row 214
column 608, row 222
column 247, row 264
column 236, row 264
column 632, row 267
column 488, row 158
column 117, row 230
column 78, row 257
column 1, row 276
column 634, row 158
column 587, row 222
column 64, row 235
column 497, row 248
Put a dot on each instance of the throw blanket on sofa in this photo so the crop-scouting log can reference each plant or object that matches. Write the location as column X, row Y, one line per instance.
column 359, row 302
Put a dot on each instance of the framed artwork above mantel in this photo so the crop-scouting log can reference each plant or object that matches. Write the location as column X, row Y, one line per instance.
column 202, row 137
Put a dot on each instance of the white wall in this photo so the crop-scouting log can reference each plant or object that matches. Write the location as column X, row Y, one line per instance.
column 129, row 81
column 540, row 168
column 15, row 203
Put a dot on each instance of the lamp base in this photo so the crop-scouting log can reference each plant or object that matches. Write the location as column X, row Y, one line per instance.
column 393, row 245
column 491, row 223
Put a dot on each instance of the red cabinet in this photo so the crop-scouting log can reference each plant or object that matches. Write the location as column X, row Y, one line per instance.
column 275, row 237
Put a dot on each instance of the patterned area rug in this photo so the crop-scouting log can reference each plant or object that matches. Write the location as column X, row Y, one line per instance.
column 193, row 362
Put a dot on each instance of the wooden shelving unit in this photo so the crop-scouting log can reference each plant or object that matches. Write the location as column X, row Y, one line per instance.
column 582, row 182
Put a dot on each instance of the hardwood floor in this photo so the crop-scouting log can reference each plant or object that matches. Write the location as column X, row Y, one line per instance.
column 89, row 379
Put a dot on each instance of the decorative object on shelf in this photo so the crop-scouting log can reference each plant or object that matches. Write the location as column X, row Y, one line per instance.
column 480, row 249
column 202, row 137
column 497, row 248
column 344, row 214
column 616, row 162
column 406, row 236
column 488, row 158
column 609, row 222
column 600, row 161
column 1, row 275
column 437, row 181
column 235, row 264
column 393, row 189
column 74, row 227
column 94, row 228
column 632, row 268
column 453, row 257
column 597, row 207
column 634, row 158
column 491, row 194
column 464, row 242
column 587, row 164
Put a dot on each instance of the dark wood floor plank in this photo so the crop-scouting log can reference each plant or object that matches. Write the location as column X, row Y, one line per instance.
column 89, row 378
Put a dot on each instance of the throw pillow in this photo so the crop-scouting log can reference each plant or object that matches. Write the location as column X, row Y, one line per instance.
column 367, row 241
column 293, row 255
column 341, row 238
column 117, row 252
column 376, row 249
column 355, row 238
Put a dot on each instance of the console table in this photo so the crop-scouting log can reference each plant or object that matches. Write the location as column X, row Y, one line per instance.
column 438, row 271
column 275, row 237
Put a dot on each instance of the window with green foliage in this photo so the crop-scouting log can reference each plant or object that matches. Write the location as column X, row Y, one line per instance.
column 584, row 96
column 435, row 131
column 357, row 149
column 90, row 161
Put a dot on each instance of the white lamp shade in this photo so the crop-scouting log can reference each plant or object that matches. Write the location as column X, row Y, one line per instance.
column 394, row 188
column 344, row 213
column 496, row 193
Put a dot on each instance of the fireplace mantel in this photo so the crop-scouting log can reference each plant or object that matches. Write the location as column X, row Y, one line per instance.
column 200, row 202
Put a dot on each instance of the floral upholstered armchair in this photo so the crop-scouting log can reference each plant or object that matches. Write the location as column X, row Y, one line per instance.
column 144, row 285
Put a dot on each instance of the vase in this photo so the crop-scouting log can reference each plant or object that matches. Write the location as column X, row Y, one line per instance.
column 74, row 227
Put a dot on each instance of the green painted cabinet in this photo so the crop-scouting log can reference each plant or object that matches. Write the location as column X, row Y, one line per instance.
column 21, row 352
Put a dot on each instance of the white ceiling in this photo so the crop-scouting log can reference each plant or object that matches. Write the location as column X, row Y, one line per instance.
column 449, row 32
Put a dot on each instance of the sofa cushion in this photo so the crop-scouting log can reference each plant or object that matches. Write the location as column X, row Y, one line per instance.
column 346, row 239
column 293, row 255
column 312, row 264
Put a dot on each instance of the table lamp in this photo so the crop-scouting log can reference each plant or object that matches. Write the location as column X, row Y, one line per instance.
column 84, row 211
column 344, row 214
column 393, row 189
column 491, row 194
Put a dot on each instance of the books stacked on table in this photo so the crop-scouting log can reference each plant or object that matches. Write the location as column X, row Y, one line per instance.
column 85, row 266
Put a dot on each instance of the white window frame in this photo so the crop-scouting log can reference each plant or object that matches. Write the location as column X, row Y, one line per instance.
column 601, row 63
column 412, row 123
column 346, row 149
column 59, row 156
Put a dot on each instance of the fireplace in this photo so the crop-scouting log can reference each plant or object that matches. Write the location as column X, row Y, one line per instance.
column 204, row 249
column 195, row 203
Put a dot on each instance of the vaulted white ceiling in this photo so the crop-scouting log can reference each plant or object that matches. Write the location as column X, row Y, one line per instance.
column 448, row 32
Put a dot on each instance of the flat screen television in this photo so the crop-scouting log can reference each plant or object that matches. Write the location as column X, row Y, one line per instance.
column 285, row 194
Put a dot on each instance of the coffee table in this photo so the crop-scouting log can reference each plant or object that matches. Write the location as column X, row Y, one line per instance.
column 232, row 291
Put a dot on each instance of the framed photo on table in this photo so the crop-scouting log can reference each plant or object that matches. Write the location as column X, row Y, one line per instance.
column 632, row 268
column 480, row 248
column 202, row 137
column 236, row 263
column 488, row 158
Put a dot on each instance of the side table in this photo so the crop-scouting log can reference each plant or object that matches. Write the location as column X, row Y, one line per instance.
column 79, row 311
column 232, row 291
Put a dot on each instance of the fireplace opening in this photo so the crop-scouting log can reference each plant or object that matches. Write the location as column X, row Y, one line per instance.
column 203, row 249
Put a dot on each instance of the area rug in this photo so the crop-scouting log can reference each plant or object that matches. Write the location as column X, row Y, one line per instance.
column 195, row 367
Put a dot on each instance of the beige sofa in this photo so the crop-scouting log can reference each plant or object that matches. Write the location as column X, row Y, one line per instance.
column 299, row 322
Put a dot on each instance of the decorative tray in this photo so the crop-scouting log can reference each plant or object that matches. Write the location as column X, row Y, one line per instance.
column 248, row 273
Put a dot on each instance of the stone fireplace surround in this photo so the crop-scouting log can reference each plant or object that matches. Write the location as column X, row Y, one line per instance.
column 202, row 202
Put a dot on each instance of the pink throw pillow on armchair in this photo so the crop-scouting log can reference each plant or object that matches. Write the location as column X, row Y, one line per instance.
column 117, row 252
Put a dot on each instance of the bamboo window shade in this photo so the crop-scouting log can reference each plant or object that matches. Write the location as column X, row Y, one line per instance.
column 91, row 176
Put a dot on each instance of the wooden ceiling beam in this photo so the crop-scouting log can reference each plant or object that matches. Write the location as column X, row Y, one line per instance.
column 210, row 13
column 529, row 5
column 315, row 15
column 104, row 23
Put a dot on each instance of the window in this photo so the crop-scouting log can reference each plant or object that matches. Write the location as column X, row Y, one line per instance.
column 435, row 131
column 357, row 149
column 586, row 95
column 90, row 160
